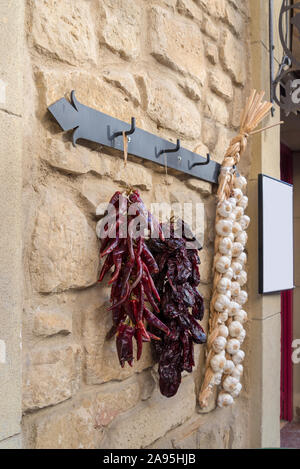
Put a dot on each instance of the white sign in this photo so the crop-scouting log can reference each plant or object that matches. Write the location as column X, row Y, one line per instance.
column 276, row 250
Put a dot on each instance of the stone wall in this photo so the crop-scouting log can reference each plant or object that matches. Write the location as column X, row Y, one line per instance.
column 181, row 68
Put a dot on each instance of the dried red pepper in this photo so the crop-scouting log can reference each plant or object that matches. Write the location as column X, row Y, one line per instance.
column 132, row 286
column 181, row 305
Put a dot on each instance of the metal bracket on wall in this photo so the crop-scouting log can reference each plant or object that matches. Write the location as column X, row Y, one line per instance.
column 284, row 85
column 95, row 126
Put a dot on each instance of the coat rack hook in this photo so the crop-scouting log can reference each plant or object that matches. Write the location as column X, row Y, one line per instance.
column 191, row 166
column 174, row 150
column 128, row 132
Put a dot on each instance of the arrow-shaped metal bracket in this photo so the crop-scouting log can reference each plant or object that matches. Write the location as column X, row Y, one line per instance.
column 95, row 126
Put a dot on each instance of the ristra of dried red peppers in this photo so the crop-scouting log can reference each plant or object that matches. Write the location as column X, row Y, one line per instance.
column 133, row 292
column 181, row 305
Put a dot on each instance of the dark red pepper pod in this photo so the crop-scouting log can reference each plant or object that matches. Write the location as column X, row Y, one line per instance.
column 125, row 345
column 131, row 280
column 181, row 304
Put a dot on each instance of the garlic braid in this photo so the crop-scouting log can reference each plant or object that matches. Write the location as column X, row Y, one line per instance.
column 223, row 361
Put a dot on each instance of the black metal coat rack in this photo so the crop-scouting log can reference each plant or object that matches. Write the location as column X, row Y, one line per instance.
column 95, row 126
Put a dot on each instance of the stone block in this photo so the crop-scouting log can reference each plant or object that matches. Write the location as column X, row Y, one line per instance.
column 191, row 88
column 91, row 91
column 234, row 57
column 243, row 7
column 124, row 81
column 162, row 443
column 210, row 439
column 238, row 104
column 50, row 376
column 171, row 109
column 234, row 19
column 51, row 323
column 209, row 133
column 221, row 84
column 151, row 420
column 203, row 187
column 133, row 175
column 96, row 193
column 121, row 27
column 176, row 44
column 63, row 30
column 211, row 52
column 223, row 140
column 71, row 429
column 216, row 109
column 65, row 250
column 189, row 9
column 215, row 8
column 114, row 400
column 102, row 364
column 206, row 265
column 78, row 160
column 210, row 28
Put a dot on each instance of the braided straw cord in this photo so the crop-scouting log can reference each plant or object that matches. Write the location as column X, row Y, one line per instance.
column 253, row 114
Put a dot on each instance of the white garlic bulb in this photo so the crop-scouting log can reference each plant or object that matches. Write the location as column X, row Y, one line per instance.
column 238, row 213
column 237, row 391
column 242, row 298
column 223, row 317
column 238, row 357
column 232, row 217
column 223, row 331
column 240, row 183
column 242, row 336
column 224, row 285
column 231, row 236
column 234, row 308
column 224, row 209
column 242, row 259
column 243, row 202
column 237, row 249
column 237, row 268
column 222, row 264
column 244, row 222
column 242, row 278
column 229, row 367
column 230, row 384
column 225, row 400
column 238, row 372
column 228, row 294
column 222, row 303
column 238, row 195
column 218, row 362
column 235, row 289
column 236, row 229
column 217, row 379
column 229, row 274
column 219, row 344
column 235, row 329
column 242, row 238
column 233, row 346
column 224, row 227
column 232, row 201
column 241, row 316
column 225, row 246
